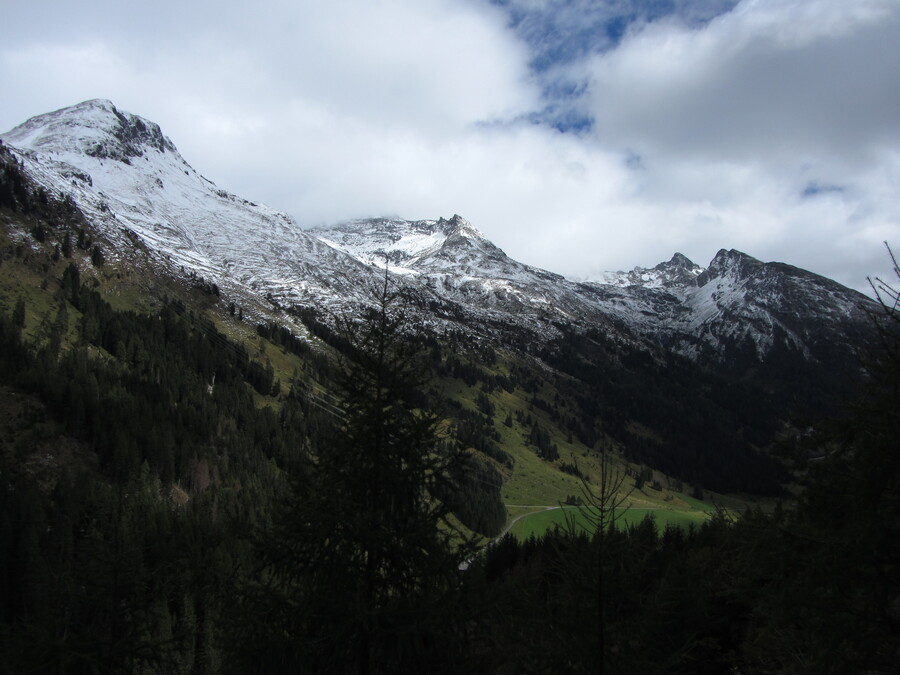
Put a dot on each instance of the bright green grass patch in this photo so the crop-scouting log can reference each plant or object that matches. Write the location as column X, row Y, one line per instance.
column 695, row 503
column 536, row 524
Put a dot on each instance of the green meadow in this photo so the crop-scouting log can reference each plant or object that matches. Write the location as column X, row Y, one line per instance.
column 536, row 524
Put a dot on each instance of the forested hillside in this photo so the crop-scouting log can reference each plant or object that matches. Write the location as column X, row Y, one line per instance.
column 147, row 457
column 810, row 587
column 187, row 489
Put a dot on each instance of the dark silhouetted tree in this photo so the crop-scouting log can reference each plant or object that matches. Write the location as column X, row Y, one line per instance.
column 361, row 560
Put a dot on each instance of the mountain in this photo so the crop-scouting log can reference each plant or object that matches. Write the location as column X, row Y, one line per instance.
column 131, row 181
column 739, row 304
column 736, row 305
column 451, row 262
column 206, row 433
column 677, row 272
column 125, row 175
column 653, row 360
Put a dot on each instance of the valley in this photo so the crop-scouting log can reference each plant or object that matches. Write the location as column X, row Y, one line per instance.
column 202, row 400
column 540, row 371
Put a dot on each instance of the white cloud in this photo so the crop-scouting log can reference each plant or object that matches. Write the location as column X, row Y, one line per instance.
column 774, row 79
column 706, row 135
column 746, row 112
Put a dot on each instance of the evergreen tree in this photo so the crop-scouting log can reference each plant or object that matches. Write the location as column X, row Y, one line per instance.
column 835, row 608
column 603, row 508
column 361, row 562
column 18, row 317
column 67, row 245
column 97, row 257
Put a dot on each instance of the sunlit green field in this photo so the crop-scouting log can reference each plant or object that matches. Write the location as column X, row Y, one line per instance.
column 539, row 522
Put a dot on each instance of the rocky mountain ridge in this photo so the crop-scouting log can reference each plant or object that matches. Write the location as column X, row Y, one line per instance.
column 130, row 180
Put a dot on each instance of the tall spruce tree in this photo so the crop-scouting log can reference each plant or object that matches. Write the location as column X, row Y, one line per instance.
column 361, row 564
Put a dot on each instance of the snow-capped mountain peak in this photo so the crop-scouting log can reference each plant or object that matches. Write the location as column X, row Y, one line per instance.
column 128, row 178
column 401, row 244
column 132, row 183
column 460, row 227
column 731, row 262
column 679, row 271
column 95, row 128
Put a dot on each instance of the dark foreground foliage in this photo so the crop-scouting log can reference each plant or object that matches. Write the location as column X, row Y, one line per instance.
column 813, row 590
column 359, row 570
column 154, row 519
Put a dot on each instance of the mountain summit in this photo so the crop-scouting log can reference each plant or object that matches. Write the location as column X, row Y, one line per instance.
column 679, row 271
column 688, row 369
column 130, row 180
column 95, row 128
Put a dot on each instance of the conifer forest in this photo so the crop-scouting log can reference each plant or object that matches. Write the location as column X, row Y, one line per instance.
column 186, row 490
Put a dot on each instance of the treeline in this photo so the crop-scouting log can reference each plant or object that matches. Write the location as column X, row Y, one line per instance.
column 662, row 410
column 706, row 428
column 127, row 487
column 155, row 520
column 811, row 590
column 137, row 473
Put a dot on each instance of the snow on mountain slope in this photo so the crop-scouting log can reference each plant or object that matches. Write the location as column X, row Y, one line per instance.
column 124, row 173
column 678, row 271
column 397, row 243
column 452, row 260
column 736, row 302
column 741, row 299
column 130, row 180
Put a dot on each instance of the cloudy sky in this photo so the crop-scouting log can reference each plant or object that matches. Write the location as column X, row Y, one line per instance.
column 578, row 135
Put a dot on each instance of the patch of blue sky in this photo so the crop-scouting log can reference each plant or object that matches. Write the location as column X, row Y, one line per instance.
column 815, row 189
column 560, row 33
column 562, row 118
column 564, row 109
